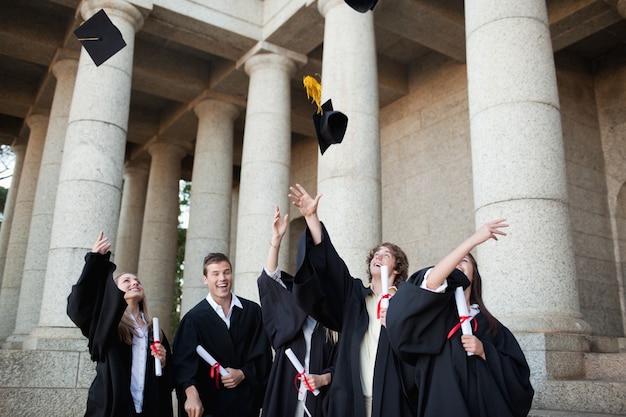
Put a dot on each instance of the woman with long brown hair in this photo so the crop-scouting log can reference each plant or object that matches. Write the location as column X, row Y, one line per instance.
column 113, row 315
column 478, row 372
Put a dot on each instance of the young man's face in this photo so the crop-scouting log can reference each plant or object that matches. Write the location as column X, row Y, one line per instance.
column 219, row 278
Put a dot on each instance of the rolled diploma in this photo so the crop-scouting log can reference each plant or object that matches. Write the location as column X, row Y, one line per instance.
column 384, row 282
column 296, row 364
column 157, row 338
column 210, row 359
column 461, row 308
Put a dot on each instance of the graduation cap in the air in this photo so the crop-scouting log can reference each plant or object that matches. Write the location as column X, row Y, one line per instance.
column 100, row 37
column 330, row 125
column 362, row 5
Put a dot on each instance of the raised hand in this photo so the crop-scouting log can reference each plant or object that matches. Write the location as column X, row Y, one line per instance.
column 101, row 245
column 490, row 230
column 303, row 201
column 279, row 225
column 308, row 208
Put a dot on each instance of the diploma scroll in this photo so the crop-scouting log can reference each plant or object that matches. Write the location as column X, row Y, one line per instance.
column 157, row 339
column 298, row 365
column 384, row 282
column 210, row 359
column 461, row 307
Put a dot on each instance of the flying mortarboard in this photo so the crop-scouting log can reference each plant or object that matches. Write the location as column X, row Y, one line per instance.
column 100, row 37
column 330, row 125
column 362, row 5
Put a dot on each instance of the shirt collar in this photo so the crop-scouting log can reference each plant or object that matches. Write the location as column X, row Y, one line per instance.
column 234, row 301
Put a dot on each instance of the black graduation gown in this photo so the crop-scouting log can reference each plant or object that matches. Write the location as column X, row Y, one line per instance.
column 244, row 346
column 96, row 306
column 449, row 382
column 324, row 289
column 283, row 320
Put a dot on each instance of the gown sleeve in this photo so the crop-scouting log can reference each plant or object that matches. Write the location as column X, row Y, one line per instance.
column 323, row 282
column 96, row 305
column 416, row 317
column 282, row 316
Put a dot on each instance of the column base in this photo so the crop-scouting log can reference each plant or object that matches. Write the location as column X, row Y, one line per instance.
column 55, row 338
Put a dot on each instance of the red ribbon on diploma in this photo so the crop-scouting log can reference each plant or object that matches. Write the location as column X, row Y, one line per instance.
column 306, row 382
column 379, row 301
column 462, row 320
column 153, row 346
column 215, row 374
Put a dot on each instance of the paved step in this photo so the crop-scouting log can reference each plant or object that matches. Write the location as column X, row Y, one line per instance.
column 605, row 366
column 582, row 396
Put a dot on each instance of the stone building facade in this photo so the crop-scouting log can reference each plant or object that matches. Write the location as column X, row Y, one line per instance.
column 459, row 113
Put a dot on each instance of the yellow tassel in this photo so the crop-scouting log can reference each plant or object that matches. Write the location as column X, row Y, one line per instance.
column 313, row 91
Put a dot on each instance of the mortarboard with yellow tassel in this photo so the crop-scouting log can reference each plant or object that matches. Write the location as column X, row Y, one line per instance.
column 330, row 125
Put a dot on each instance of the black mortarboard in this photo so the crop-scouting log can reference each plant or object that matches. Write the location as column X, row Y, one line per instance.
column 100, row 37
column 362, row 5
column 330, row 126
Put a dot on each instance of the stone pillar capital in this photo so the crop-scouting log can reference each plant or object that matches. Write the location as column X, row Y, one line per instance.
column 65, row 66
column 325, row 5
column 621, row 8
column 176, row 149
column 264, row 60
column 36, row 119
column 119, row 8
column 210, row 106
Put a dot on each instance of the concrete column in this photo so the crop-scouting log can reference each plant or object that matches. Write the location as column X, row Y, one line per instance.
column 519, row 167
column 211, row 194
column 128, row 242
column 349, row 173
column 19, row 150
column 18, row 240
column 89, row 189
column 157, row 257
column 610, row 85
column 265, row 164
column 43, row 209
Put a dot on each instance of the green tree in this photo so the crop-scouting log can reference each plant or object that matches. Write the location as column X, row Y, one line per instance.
column 184, row 196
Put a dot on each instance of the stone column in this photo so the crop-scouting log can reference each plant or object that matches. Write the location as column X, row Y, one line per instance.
column 349, row 173
column 610, row 83
column 19, row 149
column 519, row 173
column 43, row 209
column 89, row 189
column 128, row 242
column 265, row 164
column 159, row 236
column 18, row 240
column 211, row 194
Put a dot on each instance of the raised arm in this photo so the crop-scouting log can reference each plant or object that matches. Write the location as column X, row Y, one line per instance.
column 308, row 208
column 279, row 227
column 487, row 231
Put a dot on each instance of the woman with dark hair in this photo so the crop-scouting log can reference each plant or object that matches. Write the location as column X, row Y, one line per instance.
column 369, row 379
column 290, row 394
column 482, row 373
column 113, row 315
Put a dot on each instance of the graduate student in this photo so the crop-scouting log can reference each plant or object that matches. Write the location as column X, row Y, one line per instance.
column 289, row 327
column 369, row 379
column 230, row 329
column 463, row 375
column 113, row 315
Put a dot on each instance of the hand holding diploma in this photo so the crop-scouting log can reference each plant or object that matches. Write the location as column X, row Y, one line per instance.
column 298, row 365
